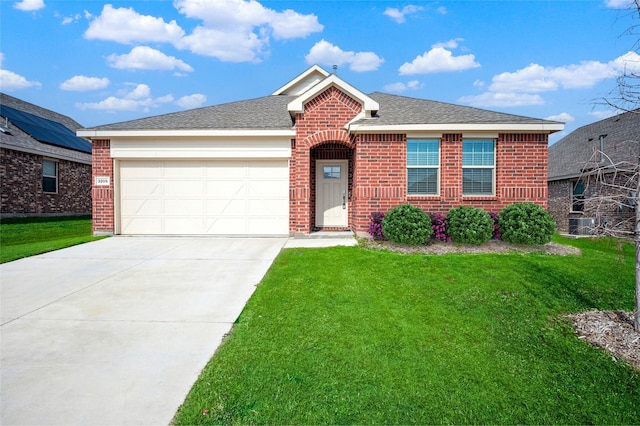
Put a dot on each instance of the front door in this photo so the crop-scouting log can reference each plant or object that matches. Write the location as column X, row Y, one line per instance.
column 332, row 193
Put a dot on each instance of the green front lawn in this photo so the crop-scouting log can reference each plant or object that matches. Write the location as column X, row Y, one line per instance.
column 348, row 335
column 23, row 237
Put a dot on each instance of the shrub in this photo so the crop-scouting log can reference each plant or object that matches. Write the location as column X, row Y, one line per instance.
column 439, row 226
column 407, row 224
column 375, row 226
column 495, row 217
column 469, row 225
column 526, row 223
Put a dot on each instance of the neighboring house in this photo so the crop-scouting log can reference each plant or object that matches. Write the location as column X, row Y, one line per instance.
column 45, row 168
column 578, row 200
column 317, row 154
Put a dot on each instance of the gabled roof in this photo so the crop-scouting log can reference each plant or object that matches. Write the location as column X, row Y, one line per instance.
column 272, row 115
column 40, row 131
column 571, row 154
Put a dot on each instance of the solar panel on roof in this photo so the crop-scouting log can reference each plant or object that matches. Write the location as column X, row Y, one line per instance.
column 44, row 130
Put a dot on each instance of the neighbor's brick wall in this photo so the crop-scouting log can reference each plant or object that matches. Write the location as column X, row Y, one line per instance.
column 322, row 122
column 21, row 190
column 559, row 203
column 103, row 207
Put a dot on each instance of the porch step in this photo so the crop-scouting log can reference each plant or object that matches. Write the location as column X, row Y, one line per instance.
column 329, row 234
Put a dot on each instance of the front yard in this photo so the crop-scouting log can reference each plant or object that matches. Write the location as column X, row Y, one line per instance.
column 353, row 335
column 23, row 237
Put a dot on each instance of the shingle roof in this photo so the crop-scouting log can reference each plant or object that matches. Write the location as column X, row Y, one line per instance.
column 21, row 141
column 269, row 112
column 396, row 110
column 570, row 155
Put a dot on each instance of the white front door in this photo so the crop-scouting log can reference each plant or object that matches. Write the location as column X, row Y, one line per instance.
column 332, row 193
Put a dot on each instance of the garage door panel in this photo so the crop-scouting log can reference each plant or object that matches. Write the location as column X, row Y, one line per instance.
column 184, row 207
column 139, row 207
column 183, row 188
column 226, row 188
column 215, row 197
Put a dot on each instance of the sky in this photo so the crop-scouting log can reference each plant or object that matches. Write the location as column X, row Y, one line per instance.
column 103, row 62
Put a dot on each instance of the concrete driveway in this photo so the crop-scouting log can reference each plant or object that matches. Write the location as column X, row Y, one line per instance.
column 115, row 332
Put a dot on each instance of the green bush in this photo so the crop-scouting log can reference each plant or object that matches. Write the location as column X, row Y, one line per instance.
column 469, row 225
column 526, row 223
column 407, row 224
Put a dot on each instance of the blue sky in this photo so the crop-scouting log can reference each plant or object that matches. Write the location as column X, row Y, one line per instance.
column 101, row 62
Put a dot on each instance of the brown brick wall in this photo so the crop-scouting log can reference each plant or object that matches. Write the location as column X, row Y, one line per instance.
column 103, row 207
column 21, row 188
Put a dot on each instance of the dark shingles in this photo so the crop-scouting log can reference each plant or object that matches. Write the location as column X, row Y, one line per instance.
column 398, row 110
column 570, row 155
column 269, row 112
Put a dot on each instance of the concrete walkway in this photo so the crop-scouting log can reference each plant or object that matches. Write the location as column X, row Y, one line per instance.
column 115, row 332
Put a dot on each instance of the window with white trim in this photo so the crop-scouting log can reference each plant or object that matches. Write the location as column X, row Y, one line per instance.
column 49, row 176
column 423, row 166
column 478, row 167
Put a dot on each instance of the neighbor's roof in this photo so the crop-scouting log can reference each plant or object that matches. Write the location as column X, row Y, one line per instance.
column 19, row 139
column 571, row 154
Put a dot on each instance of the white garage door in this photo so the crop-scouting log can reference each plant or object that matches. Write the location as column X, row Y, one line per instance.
column 212, row 197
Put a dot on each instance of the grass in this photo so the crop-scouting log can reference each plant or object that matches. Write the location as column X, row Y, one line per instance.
column 347, row 335
column 23, row 237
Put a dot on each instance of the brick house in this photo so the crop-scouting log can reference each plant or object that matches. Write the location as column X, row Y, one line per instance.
column 573, row 186
column 45, row 169
column 316, row 154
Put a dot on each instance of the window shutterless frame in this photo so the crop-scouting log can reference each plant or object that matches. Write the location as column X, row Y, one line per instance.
column 49, row 176
column 423, row 166
column 478, row 167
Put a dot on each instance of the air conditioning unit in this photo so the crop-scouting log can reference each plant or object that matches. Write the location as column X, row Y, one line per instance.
column 581, row 225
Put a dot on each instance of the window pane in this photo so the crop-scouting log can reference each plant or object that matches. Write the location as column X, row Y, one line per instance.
column 423, row 152
column 49, row 168
column 477, row 181
column 422, row 181
column 477, row 153
column 331, row 172
column 49, row 184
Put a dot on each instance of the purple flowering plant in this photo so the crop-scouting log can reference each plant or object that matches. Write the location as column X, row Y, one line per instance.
column 496, row 225
column 439, row 226
column 375, row 226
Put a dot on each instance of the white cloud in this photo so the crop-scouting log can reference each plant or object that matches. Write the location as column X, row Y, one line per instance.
column 29, row 5
column 492, row 99
column 70, row 19
column 536, row 78
column 125, row 25
column 81, row 83
column 137, row 99
column 325, row 53
column 399, row 15
column 239, row 30
column 442, row 10
column 439, row 59
column 10, row 81
column 192, row 101
column 226, row 46
column 619, row 4
column 403, row 87
column 517, row 88
column 147, row 58
column 450, row 44
column 563, row 117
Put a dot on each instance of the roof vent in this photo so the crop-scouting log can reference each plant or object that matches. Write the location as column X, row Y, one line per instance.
column 5, row 128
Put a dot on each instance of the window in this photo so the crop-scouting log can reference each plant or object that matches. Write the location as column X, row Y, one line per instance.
column 423, row 166
column 577, row 197
column 331, row 172
column 49, row 176
column 478, row 167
